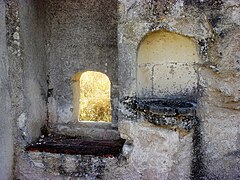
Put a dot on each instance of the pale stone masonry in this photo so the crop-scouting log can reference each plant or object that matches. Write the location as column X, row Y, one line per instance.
column 184, row 53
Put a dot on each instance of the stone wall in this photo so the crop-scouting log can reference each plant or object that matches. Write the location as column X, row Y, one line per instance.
column 27, row 75
column 32, row 33
column 6, row 128
column 82, row 37
column 40, row 54
column 214, row 27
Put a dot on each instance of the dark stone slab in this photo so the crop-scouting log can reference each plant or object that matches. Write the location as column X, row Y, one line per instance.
column 76, row 145
column 167, row 107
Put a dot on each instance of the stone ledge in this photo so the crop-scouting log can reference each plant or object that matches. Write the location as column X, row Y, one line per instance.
column 77, row 145
column 89, row 130
column 173, row 113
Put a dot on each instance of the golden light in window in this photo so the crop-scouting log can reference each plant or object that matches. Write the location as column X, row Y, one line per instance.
column 94, row 99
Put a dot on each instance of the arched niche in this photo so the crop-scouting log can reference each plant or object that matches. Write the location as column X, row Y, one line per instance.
column 166, row 66
column 91, row 96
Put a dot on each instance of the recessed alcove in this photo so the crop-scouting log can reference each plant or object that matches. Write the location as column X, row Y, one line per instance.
column 92, row 133
column 81, row 38
column 167, row 80
column 165, row 66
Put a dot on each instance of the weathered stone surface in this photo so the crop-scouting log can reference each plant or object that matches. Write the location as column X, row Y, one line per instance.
column 83, row 37
column 6, row 127
column 44, row 43
column 55, row 166
column 160, row 151
column 217, row 34
column 93, row 130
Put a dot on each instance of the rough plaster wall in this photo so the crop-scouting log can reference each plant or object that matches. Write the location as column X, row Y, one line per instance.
column 28, row 79
column 6, row 136
column 83, row 36
column 35, row 75
column 221, row 102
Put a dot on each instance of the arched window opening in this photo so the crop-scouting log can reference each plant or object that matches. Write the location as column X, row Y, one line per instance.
column 92, row 96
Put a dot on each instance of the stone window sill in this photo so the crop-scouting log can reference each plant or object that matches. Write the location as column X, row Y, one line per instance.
column 76, row 145
column 88, row 130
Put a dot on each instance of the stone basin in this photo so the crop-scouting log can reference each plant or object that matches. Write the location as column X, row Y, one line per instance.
column 168, row 107
column 175, row 113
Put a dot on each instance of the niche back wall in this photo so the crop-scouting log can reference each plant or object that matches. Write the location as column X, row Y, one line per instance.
column 82, row 35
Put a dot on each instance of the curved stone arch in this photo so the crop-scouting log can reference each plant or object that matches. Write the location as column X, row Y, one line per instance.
column 165, row 65
column 133, row 33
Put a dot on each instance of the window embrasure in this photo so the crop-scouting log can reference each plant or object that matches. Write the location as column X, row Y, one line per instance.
column 91, row 96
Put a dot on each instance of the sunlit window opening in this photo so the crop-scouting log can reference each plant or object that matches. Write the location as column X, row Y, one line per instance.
column 94, row 97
